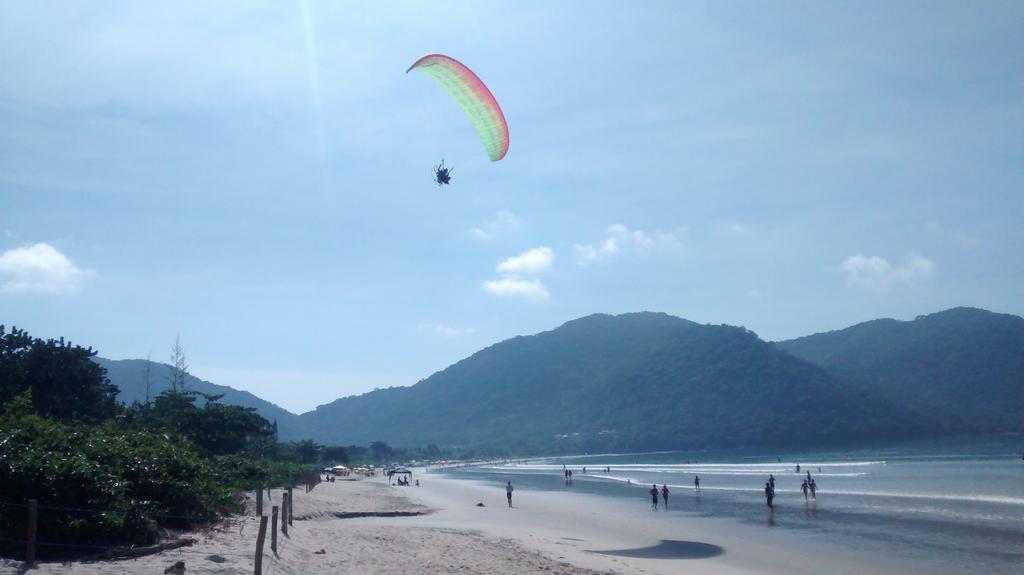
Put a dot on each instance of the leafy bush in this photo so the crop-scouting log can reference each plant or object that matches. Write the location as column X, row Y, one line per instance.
column 247, row 474
column 112, row 485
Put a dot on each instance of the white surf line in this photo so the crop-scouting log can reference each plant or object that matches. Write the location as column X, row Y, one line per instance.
column 708, row 464
column 972, row 498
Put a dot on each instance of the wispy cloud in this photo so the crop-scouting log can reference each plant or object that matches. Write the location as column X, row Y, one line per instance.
column 587, row 253
column 504, row 221
column 878, row 275
column 959, row 236
column 620, row 238
column 531, row 290
column 39, row 268
column 444, row 330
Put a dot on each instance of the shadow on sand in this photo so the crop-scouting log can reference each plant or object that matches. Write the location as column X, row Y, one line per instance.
column 669, row 549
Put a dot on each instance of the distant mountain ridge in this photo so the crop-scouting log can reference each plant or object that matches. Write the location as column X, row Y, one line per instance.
column 128, row 376
column 654, row 381
column 963, row 366
column 633, row 381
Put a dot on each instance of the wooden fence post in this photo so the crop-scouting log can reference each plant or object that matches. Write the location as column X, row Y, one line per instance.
column 284, row 513
column 273, row 530
column 291, row 505
column 30, row 539
column 259, row 545
column 259, row 501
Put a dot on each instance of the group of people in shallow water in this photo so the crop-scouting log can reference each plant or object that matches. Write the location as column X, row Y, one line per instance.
column 568, row 473
column 807, row 487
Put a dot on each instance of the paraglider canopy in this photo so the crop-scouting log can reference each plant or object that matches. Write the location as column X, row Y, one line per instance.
column 473, row 97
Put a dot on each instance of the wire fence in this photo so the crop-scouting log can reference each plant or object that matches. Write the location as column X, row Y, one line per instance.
column 154, row 514
column 30, row 543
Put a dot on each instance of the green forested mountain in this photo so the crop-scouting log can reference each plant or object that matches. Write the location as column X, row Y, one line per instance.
column 129, row 376
column 964, row 366
column 634, row 381
column 653, row 381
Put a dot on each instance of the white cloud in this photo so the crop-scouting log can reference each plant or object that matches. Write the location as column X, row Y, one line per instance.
column 447, row 330
column 531, row 290
column 620, row 238
column 503, row 221
column 39, row 268
column 532, row 261
column 877, row 274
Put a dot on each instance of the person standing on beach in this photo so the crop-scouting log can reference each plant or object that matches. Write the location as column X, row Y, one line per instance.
column 696, row 482
column 803, row 487
column 771, row 479
column 769, row 494
column 654, row 496
column 508, row 493
column 814, row 489
column 664, row 495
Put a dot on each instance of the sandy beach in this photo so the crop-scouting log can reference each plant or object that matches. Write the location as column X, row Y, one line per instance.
column 368, row 526
column 328, row 519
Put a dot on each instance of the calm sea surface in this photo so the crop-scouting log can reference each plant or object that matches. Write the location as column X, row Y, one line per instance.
column 954, row 503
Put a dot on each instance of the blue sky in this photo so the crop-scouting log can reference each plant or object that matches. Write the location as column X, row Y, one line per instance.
column 254, row 177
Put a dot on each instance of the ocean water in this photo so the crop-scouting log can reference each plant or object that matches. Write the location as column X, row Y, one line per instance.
column 955, row 504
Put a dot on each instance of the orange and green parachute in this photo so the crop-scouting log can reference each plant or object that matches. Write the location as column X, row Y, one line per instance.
column 473, row 96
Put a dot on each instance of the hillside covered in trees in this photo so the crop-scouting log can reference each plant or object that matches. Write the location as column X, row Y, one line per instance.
column 639, row 381
column 963, row 367
column 653, row 381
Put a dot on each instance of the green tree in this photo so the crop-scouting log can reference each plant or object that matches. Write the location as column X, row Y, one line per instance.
column 334, row 454
column 215, row 428
column 179, row 367
column 307, row 451
column 147, row 378
column 381, row 451
column 357, row 452
column 66, row 384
